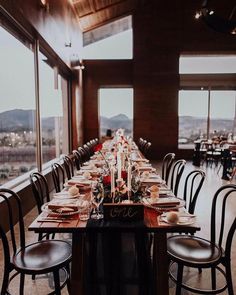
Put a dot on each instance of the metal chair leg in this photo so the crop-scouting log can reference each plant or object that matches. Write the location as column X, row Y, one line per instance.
column 179, row 279
column 22, row 282
column 229, row 279
column 57, row 283
column 213, row 278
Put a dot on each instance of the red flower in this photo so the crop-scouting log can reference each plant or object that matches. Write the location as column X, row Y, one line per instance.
column 106, row 180
column 124, row 174
column 97, row 147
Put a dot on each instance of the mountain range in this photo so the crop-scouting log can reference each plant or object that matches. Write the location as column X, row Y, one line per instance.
column 22, row 120
column 116, row 122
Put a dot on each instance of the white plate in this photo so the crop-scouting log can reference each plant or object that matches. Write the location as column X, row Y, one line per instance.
column 182, row 220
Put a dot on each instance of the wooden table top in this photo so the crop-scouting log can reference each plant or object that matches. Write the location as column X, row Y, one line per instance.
column 151, row 223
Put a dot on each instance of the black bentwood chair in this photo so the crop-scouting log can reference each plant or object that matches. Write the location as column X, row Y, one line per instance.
column 166, row 166
column 192, row 186
column 37, row 258
column 58, row 176
column 176, row 172
column 40, row 190
column 196, row 252
column 69, row 166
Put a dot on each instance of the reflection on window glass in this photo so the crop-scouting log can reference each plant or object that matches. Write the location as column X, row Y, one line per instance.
column 222, row 113
column 116, row 110
column 17, row 108
column 53, row 111
column 193, row 109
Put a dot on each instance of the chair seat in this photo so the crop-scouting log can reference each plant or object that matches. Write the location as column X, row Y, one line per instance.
column 193, row 251
column 34, row 258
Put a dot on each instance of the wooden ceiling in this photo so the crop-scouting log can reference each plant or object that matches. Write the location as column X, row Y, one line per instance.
column 95, row 13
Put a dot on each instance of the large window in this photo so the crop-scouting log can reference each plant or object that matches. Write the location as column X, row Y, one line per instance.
column 17, row 108
column 204, row 114
column 111, row 41
column 192, row 116
column 53, row 110
column 21, row 120
column 116, row 110
column 207, row 101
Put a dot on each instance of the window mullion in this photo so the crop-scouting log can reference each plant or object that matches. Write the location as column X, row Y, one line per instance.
column 37, row 97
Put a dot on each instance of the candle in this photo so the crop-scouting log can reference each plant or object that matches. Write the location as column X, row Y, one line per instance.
column 122, row 157
column 112, row 179
column 129, row 178
column 119, row 165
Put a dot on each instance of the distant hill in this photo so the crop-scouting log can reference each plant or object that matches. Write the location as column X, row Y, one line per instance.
column 21, row 120
column 116, row 122
column 192, row 125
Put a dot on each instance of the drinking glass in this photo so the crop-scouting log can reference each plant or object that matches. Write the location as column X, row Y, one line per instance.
column 97, row 198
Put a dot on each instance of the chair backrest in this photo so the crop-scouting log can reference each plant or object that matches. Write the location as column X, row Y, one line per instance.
column 40, row 189
column 83, row 154
column 86, row 152
column 13, row 214
column 58, row 176
column 223, row 200
column 77, row 159
column 69, row 166
column 166, row 166
column 146, row 148
column 176, row 173
column 192, row 186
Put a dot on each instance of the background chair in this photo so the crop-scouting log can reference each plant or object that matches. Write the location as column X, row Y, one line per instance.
column 58, row 176
column 166, row 166
column 40, row 190
column 37, row 258
column 146, row 148
column 176, row 172
column 196, row 252
column 192, row 186
column 69, row 166
column 77, row 159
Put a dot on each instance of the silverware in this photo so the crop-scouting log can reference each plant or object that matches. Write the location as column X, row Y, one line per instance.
column 53, row 220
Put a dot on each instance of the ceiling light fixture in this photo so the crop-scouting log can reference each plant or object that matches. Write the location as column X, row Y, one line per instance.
column 77, row 65
column 216, row 22
column 44, row 4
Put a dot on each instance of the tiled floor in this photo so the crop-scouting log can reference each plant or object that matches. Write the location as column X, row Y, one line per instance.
column 213, row 181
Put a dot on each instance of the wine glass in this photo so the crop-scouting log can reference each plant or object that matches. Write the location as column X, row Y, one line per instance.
column 135, row 183
column 97, row 198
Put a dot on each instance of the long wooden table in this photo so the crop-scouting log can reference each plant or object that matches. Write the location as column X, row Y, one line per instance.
column 79, row 229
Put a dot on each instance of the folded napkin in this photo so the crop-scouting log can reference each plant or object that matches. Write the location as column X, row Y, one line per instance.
column 63, row 206
column 64, row 195
column 165, row 202
column 67, row 206
column 139, row 160
column 151, row 180
column 145, row 168
column 79, row 182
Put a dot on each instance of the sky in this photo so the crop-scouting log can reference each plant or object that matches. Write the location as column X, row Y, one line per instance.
column 194, row 103
column 114, row 101
column 17, row 87
column 119, row 46
column 207, row 64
